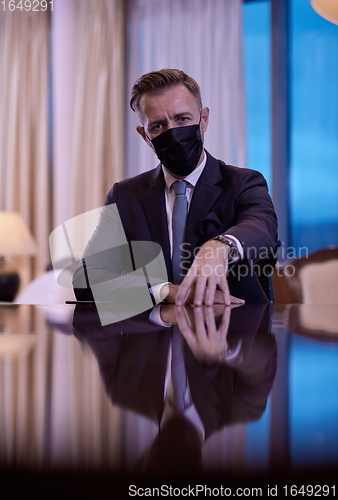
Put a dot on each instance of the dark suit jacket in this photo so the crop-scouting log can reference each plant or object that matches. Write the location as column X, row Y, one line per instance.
column 226, row 199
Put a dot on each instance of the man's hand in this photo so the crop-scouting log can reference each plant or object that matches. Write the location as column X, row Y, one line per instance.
column 208, row 271
column 170, row 292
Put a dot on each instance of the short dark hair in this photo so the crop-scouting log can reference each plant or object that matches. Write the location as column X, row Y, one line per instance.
column 157, row 81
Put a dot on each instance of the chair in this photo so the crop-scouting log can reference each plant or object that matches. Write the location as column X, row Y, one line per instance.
column 314, row 279
column 315, row 321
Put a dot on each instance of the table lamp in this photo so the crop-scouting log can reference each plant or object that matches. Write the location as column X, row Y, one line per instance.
column 15, row 240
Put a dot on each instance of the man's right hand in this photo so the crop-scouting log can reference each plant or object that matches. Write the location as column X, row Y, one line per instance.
column 170, row 291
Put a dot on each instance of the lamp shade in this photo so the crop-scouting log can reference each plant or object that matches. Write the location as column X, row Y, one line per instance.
column 327, row 9
column 15, row 237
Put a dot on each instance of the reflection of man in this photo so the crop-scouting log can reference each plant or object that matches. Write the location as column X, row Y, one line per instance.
column 221, row 215
column 136, row 364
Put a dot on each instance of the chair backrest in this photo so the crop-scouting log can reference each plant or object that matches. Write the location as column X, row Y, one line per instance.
column 315, row 321
column 314, row 279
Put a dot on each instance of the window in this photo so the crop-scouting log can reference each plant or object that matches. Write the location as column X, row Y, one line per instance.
column 313, row 116
column 313, row 128
column 257, row 70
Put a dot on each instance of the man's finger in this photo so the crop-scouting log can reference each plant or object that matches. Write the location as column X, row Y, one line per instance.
column 200, row 290
column 210, row 291
column 236, row 300
column 184, row 289
column 225, row 290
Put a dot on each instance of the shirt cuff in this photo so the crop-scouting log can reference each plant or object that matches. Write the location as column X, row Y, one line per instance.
column 156, row 292
column 238, row 243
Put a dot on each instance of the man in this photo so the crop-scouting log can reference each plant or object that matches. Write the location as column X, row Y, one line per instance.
column 228, row 217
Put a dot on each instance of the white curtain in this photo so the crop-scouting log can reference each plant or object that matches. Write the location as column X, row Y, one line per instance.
column 98, row 107
column 204, row 39
column 24, row 177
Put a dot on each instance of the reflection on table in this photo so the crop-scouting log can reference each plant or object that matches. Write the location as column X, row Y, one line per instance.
column 260, row 394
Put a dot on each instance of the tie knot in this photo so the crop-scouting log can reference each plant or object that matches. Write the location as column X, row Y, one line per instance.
column 179, row 187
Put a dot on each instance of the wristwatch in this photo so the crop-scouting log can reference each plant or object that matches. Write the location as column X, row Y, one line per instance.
column 234, row 255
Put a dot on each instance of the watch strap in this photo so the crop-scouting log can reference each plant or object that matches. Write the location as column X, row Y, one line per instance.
column 234, row 255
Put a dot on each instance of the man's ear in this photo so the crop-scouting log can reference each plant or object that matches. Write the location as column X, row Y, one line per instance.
column 204, row 119
column 140, row 130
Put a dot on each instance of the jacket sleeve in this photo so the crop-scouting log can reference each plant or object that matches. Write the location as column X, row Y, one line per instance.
column 256, row 222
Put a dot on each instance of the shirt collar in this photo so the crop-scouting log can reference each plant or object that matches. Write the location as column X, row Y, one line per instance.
column 191, row 178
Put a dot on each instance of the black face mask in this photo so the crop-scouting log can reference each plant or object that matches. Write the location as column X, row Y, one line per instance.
column 179, row 149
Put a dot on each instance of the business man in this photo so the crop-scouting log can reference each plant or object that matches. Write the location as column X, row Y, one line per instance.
column 204, row 214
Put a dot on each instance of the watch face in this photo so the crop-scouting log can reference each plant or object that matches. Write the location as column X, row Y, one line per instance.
column 233, row 253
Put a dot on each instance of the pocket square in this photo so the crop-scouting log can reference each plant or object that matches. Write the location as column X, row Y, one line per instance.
column 210, row 224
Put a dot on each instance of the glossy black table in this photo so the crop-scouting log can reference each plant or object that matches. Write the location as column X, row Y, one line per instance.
column 82, row 406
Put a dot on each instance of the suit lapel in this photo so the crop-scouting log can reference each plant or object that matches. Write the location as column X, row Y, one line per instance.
column 205, row 194
column 153, row 203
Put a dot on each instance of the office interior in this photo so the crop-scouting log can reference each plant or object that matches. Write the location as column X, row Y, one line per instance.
column 268, row 71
